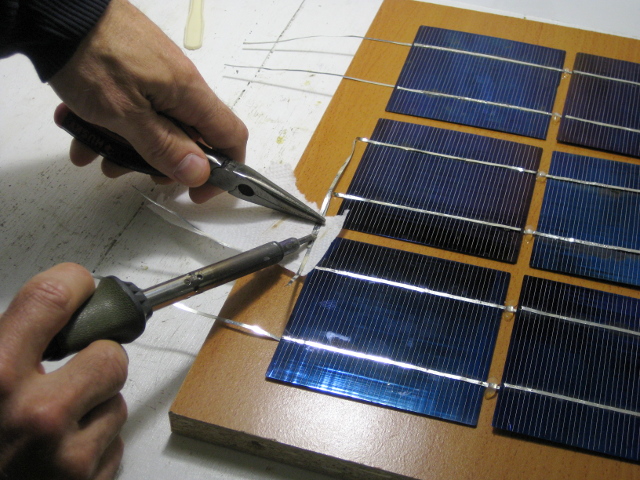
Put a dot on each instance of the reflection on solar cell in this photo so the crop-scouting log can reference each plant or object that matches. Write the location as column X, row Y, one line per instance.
column 394, row 328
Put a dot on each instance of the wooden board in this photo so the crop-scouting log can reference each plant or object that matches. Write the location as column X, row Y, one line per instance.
column 225, row 398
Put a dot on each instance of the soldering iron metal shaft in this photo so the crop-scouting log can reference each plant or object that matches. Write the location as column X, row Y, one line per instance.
column 222, row 272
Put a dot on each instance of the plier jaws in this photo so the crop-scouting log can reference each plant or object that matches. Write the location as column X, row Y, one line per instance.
column 245, row 183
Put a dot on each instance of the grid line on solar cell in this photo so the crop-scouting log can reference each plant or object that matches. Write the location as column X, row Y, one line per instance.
column 426, row 191
column 574, row 382
column 602, row 109
column 590, row 213
column 394, row 346
column 479, row 81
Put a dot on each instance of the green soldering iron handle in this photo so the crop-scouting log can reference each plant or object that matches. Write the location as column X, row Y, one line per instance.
column 116, row 311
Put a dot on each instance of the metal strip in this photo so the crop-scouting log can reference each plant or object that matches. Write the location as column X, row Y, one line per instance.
column 604, row 77
column 469, row 99
column 422, row 92
column 183, row 222
column 251, row 329
column 571, row 399
column 582, row 242
column 585, row 182
column 311, row 71
column 411, row 287
column 405, row 44
column 428, row 212
column 389, row 361
column 581, row 322
column 492, row 57
column 601, row 124
column 360, row 37
column 454, row 50
column 444, row 155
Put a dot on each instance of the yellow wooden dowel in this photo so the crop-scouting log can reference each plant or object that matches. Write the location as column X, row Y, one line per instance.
column 195, row 26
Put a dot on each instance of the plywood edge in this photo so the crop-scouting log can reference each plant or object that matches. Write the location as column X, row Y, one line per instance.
column 273, row 450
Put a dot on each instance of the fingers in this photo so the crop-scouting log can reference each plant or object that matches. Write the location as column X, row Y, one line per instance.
column 161, row 180
column 112, row 170
column 219, row 127
column 196, row 105
column 92, row 379
column 165, row 146
column 93, row 376
column 39, row 310
column 63, row 424
column 203, row 193
column 80, row 154
column 95, row 450
column 110, row 462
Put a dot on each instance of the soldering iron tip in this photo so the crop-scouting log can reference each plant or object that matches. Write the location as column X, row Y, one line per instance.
column 307, row 239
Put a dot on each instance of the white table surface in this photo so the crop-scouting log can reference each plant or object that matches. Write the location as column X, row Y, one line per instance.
column 55, row 212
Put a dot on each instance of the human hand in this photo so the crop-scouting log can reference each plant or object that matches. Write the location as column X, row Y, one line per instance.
column 128, row 77
column 64, row 424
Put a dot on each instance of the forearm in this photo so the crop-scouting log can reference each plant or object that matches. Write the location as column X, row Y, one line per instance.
column 46, row 31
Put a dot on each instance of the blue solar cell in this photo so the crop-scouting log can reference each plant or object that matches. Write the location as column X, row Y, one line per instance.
column 589, row 213
column 394, row 328
column 602, row 109
column 450, row 200
column 571, row 374
column 479, row 81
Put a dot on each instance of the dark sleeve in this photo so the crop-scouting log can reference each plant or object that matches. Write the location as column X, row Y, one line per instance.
column 46, row 31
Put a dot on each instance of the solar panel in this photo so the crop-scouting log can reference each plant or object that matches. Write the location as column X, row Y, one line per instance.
column 602, row 109
column 447, row 189
column 571, row 374
column 394, row 328
column 590, row 223
column 479, row 81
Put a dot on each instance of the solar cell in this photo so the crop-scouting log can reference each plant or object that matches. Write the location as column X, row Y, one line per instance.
column 589, row 224
column 602, row 109
column 443, row 188
column 480, row 81
column 394, row 328
column 571, row 374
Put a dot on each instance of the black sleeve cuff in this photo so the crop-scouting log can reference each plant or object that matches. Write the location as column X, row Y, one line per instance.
column 49, row 31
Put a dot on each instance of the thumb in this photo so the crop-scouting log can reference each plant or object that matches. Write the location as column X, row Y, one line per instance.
column 165, row 146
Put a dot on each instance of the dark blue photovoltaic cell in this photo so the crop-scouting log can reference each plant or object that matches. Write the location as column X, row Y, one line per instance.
column 442, row 185
column 592, row 371
column 349, row 317
column 613, row 101
column 593, row 214
column 439, row 76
